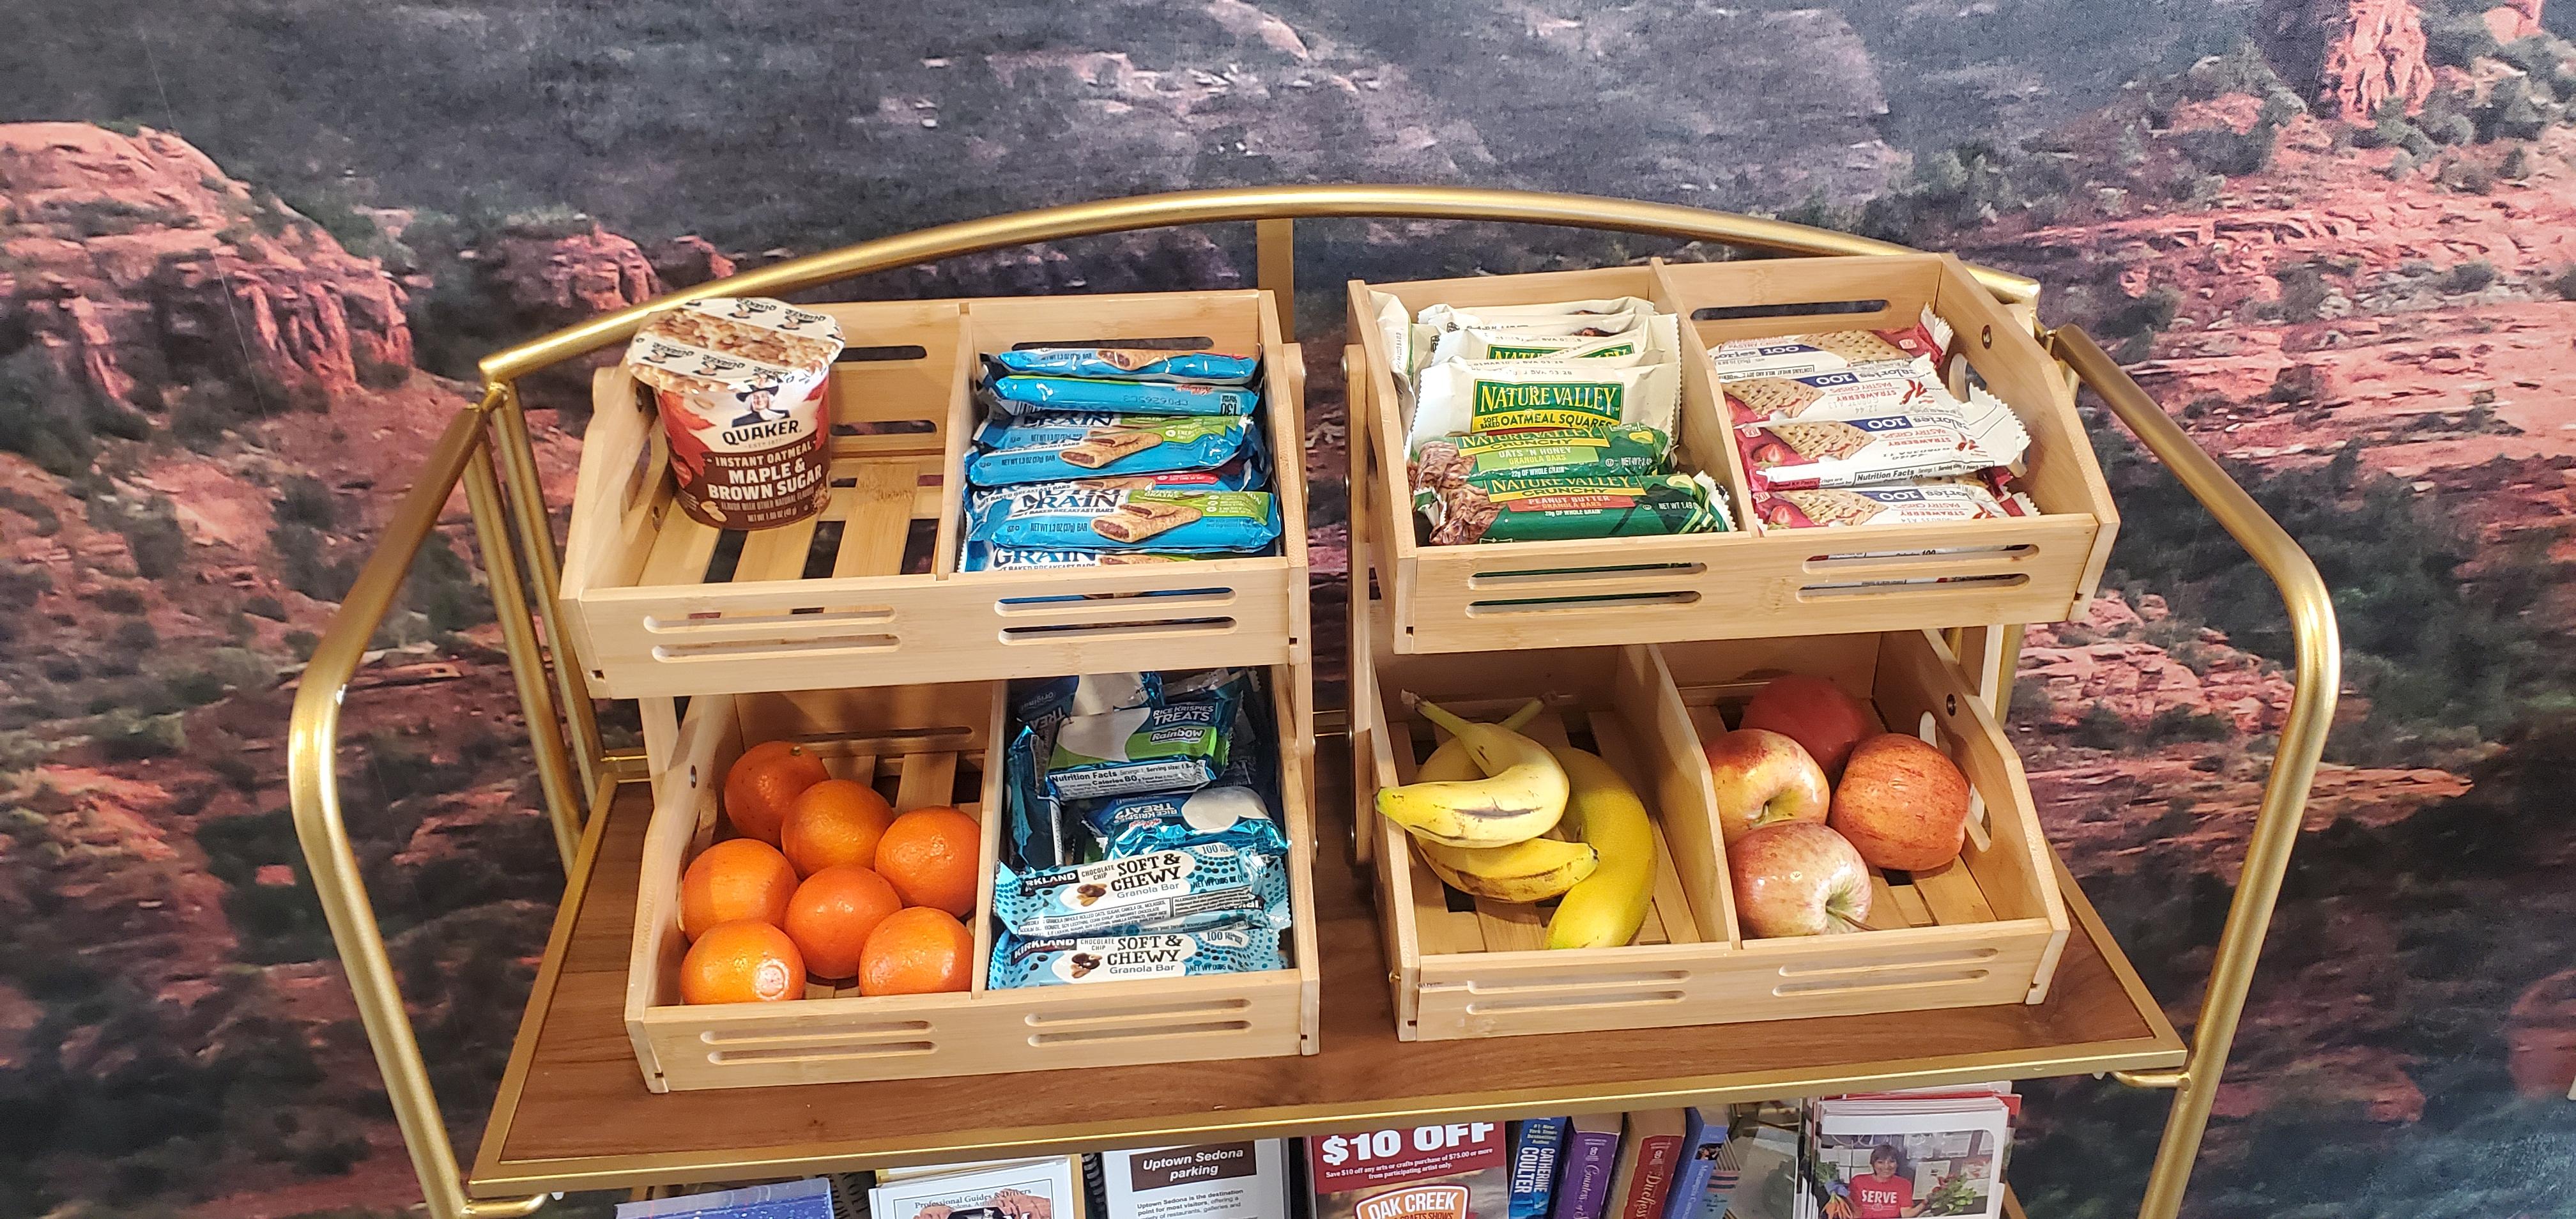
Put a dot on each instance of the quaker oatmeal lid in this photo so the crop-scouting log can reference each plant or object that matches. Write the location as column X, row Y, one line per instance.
column 743, row 348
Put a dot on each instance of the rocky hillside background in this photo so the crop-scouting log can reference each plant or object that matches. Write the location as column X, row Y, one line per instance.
column 248, row 250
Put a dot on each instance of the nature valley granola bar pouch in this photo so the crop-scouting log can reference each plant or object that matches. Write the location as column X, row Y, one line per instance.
column 1577, row 506
column 1657, row 336
column 1464, row 397
column 1617, row 449
column 739, row 386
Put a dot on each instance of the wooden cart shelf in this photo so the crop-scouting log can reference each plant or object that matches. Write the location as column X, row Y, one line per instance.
column 573, row 1112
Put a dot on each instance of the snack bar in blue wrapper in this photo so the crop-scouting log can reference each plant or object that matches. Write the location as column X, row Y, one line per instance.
column 1057, row 446
column 1138, row 825
column 1128, row 363
column 983, row 557
column 1179, row 747
column 1019, row 395
column 1187, row 888
column 1084, row 516
column 1075, row 961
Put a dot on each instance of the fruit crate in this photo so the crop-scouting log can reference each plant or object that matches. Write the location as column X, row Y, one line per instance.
column 1984, row 930
column 925, row 745
column 868, row 593
column 1756, row 581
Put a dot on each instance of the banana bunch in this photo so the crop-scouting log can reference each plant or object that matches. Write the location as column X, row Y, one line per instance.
column 1481, row 804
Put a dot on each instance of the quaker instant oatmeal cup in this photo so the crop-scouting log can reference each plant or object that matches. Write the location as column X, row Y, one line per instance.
column 739, row 385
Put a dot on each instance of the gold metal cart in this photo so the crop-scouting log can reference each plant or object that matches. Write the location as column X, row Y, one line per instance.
column 573, row 1113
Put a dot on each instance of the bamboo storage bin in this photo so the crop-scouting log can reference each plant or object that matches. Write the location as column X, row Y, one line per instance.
column 917, row 743
column 1755, row 581
column 1984, row 930
column 646, row 593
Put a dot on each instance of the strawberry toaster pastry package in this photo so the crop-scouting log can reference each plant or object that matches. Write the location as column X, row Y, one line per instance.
column 739, row 386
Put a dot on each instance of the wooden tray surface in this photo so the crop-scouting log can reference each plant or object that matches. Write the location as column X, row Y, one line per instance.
column 573, row 1112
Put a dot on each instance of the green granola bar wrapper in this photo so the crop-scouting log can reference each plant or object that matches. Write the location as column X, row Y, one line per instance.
column 1568, row 506
column 1611, row 449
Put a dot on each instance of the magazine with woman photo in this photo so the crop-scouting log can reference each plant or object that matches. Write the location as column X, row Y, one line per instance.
column 1899, row 1159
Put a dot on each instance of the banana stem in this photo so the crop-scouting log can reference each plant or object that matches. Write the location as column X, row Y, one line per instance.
column 1520, row 719
column 1441, row 718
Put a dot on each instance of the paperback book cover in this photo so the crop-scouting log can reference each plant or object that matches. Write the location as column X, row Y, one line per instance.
column 1535, row 1145
column 1703, row 1145
column 1590, row 1157
column 1649, row 1154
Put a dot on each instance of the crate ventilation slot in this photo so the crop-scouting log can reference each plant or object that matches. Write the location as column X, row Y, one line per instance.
column 810, row 1053
column 1648, row 998
column 808, row 618
column 1172, row 598
column 806, row 1038
column 1945, row 554
column 1196, row 1009
column 1193, row 342
column 1074, row 631
column 1910, row 981
column 1157, row 1032
column 1541, row 605
column 1730, row 313
column 1576, row 983
column 1515, row 577
column 1912, row 584
column 1929, row 957
column 784, row 649
column 883, row 354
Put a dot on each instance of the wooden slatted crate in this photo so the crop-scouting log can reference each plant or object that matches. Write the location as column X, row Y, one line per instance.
column 924, row 745
column 1984, row 930
column 1758, row 580
column 869, row 593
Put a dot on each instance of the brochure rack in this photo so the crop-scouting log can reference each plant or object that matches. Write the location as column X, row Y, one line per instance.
column 573, row 1113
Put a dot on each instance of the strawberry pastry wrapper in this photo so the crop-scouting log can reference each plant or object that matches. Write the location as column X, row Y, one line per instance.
column 1928, row 339
column 1897, row 446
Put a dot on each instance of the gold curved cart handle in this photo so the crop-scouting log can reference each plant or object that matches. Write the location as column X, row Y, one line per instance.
column 509, row 517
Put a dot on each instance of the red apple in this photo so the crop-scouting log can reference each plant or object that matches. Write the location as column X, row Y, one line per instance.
column 1761, row 778
column 1815, row 711
column 1797, row 878
column 1902, row 802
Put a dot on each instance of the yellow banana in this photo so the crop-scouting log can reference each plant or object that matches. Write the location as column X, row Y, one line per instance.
column 1605, row 909
column 1531, row 871
column 1521, row 796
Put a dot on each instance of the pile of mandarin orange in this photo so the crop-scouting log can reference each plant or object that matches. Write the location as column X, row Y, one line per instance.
column 824, row 879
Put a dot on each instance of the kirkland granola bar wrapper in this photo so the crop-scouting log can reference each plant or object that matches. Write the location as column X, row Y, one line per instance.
column 1130, row 364
column 1073, row 961
column 739, row 386
column 1464, row 397
column 1928, row 339
column 1910, row 504
column 1887, row 447
column 1577, row 506
column 1207, row 884
column 1451, row 461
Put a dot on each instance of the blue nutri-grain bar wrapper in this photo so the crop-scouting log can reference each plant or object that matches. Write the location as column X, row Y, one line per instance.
column 1236, row 475
column 1020, row 395
column 1534, row 1145
column 1127, row 364
column 982, row 557
column 1142, row 825
column 1179, row 747
column 1075, row 961
column 1183, row 889
column 1080, row 516
column 1058, row 446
